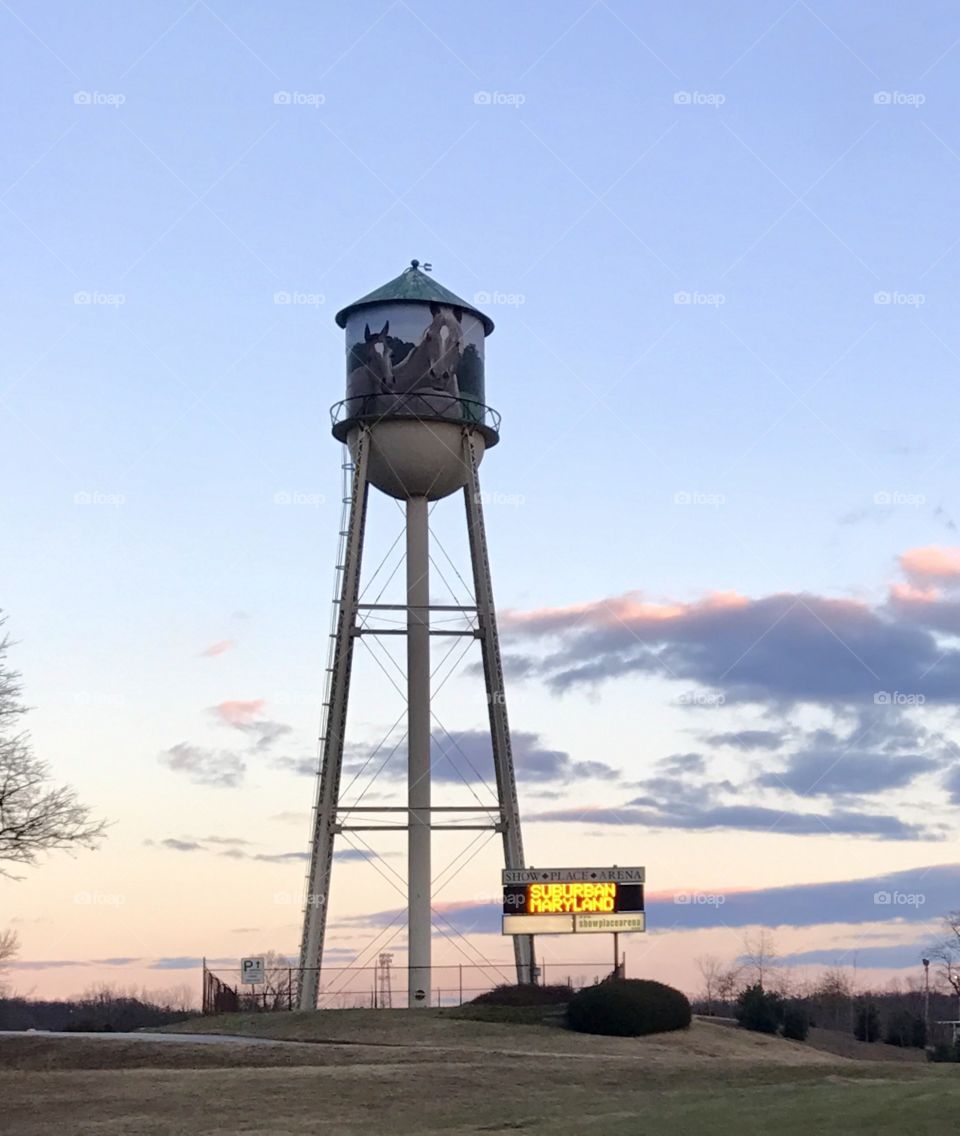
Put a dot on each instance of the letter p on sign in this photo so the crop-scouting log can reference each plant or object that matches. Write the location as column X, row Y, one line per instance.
column 251, row 970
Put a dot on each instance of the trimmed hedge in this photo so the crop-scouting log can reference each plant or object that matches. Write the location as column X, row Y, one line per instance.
column 525, row 994
column 628, row 1007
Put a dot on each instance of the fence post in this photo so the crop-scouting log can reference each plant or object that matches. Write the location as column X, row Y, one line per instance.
column 289, row 987
column 461, row 984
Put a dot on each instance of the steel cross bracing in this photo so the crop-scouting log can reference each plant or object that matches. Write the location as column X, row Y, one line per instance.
column 348, row 628
column 496, row 698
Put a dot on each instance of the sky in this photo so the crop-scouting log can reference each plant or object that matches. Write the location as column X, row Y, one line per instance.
column 720, row 246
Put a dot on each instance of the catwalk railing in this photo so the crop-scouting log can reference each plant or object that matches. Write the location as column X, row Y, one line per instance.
column 363, row 987
column 426, row 405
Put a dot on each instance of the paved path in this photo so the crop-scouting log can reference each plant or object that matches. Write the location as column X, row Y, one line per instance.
column 195, row 1038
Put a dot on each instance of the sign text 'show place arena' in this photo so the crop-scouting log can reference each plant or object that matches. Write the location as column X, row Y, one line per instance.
column 563, row 901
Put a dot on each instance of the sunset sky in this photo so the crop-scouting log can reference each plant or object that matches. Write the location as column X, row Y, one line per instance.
column 721, row 248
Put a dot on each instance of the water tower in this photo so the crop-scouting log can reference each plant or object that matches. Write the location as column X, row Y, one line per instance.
column 417, row 427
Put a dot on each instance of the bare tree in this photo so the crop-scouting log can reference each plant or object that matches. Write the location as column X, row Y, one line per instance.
column 35, row 816
column 727, row 982
column 9, row 948
column 759, row 954
column 947, row 953
column 709, row 967
column 719, row 980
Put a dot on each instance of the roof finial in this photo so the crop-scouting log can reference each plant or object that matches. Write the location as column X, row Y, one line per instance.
column 414, row 264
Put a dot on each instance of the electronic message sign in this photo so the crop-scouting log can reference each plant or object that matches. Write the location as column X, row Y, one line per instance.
column 563, row 901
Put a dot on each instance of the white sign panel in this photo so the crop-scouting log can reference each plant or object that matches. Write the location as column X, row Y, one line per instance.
column 572, row 875
column 251, row 970
column 630, row 921
column 538, row 924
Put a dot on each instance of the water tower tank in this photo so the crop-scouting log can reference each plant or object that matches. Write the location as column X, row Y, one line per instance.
column 415, row 378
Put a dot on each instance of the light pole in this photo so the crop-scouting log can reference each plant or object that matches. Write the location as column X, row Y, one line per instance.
column 926, row 1000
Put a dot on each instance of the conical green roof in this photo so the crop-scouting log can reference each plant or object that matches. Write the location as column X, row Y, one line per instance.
column 414, row 286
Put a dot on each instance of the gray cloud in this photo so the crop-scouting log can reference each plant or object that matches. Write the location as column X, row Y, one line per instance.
column 302, row 766
column 221, row 768
column 749, row 739
column 829, row 772
column 178, row 845
column 234, row 849
column 467, row 755
column 952, row 784
column 678, row 763
column 899, row 956
column 647, row 812
column 781, row 649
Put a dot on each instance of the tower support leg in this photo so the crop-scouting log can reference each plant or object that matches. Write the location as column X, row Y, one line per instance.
column 335, row 720
column 496, row 698
column 418, row 749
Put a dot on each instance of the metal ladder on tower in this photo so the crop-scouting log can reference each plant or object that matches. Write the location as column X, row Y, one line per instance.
column 333, row 718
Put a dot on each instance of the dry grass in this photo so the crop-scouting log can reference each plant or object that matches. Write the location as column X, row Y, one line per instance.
column 416, row 1029
column 401, row 1074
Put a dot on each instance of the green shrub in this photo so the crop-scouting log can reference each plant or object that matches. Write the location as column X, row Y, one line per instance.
column 628, row 1007
column 918, row 1033
column 945, row 1051
column 867, row 1027
column 906, row 1030
column 796, row 1021
column 759, row 1010
column 524, row 994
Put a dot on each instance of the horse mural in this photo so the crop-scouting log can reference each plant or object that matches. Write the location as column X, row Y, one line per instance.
column 371, row 372
column 431, row 367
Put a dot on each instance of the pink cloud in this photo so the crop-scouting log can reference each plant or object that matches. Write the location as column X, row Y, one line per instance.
column 218, row 648
column 238, row 713
column 931, row 564
column 911, row 594
column 628, row 609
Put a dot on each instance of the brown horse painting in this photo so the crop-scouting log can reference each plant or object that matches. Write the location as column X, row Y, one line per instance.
column 432, row 365
column 372, row 372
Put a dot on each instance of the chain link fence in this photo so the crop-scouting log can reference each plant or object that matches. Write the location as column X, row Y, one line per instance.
column 379, row 987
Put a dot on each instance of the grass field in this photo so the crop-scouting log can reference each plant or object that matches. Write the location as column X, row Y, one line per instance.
column 365, row 1073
